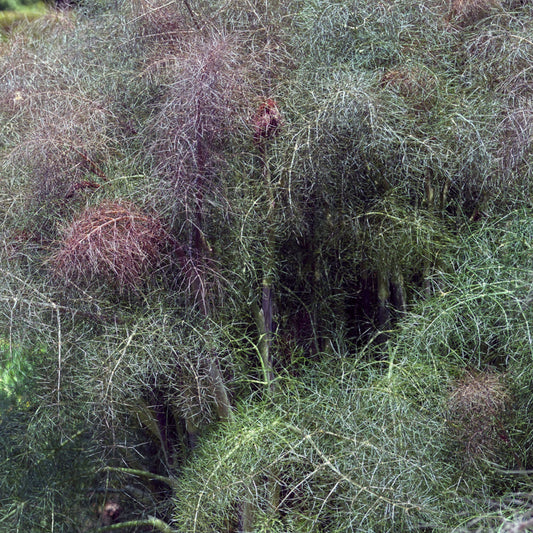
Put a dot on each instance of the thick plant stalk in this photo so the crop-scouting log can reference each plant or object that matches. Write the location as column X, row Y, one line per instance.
column 202, row 250
column 435, row 200
column 266, row 313
column 263, row 344
column 391, row 295
column 201, row 156
column 191, row 13
column 264, row 319
column 151, row 521
column 247, row 518
column 223, row 404
column 171, row 482
column 383, row 305
column 266, row 126
column 398, row 293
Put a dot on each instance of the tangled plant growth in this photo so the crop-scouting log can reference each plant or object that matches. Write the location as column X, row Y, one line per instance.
column 470, row 11
column 59, row 117
column 320, row 459
column 358, row 269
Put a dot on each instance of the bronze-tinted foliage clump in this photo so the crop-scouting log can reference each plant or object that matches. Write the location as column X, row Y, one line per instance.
column 114, row 242
column 470, row 11
column 267, row 121
column 478, row 408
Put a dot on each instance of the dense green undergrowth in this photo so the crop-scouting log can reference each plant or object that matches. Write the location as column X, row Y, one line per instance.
column 266, row 267
column 405, row 443
column 13, row 13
